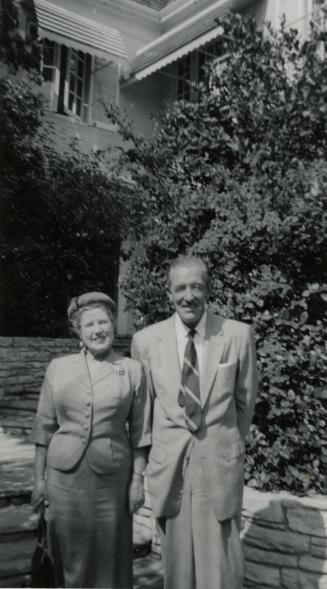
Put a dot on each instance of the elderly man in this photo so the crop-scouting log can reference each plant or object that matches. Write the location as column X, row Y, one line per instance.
column 201, row 371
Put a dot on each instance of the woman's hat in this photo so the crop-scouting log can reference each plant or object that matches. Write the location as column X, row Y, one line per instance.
column 88, row 298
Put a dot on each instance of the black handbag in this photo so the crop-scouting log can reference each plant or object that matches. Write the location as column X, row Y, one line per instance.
column 42, row 573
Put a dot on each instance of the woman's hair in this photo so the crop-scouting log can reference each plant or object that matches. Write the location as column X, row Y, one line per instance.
column 89, row 300
column 75, row 319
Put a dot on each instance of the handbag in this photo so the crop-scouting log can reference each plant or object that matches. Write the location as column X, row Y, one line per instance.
column 42, row 570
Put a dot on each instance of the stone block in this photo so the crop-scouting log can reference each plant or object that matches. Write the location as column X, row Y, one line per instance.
column 315, row 565
column 268, row 556
column 10, row 355
column 319, row 547
column 35, row 355
column 26, row 379
column 262, row 575
column 306, row 520
column 12, row 389
column 15, row 519
column 15, row 567
column 277, row 540
column 9, row 380
column 16, row 550
column 314, row 502
column 296, row 579
column 12, row 366
column 6, row 341
column 17, row 581
column 262, row 506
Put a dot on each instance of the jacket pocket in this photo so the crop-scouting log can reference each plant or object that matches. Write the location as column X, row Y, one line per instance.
column 157, row 454
column 234, row 450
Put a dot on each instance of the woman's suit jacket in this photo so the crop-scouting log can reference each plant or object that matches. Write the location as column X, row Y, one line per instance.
column 228, row 397
column 77, row 418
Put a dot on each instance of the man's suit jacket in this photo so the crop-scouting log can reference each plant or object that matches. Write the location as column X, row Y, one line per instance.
column 228, row 398
column 77, row 417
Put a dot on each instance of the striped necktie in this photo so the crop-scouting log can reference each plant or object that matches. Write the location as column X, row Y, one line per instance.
column 189, row 393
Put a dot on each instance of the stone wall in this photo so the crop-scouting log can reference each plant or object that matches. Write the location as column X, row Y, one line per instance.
column 284, row 540
column 23, row 361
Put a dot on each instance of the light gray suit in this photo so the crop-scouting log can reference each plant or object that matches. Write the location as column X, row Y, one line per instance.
column 216, row 450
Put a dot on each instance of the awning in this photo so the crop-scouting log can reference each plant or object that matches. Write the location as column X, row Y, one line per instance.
column 70, row 29
column 183, row 39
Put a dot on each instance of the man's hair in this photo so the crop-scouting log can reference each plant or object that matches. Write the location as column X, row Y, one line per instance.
column 188, row 262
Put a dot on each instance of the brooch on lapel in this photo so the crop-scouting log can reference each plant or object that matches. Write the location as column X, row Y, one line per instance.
column 119, row 370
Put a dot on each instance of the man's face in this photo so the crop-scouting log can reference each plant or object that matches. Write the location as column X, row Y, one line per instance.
column 188, row 293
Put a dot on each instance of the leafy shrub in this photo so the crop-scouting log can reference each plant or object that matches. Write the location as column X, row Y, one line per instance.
column 61, row 214
column 238, row 175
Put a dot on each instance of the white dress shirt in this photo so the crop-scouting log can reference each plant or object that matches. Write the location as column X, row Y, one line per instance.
column 199, row 339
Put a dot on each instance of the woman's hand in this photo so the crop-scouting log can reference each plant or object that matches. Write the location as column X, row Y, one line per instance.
column 136, row 493
column 38, row 498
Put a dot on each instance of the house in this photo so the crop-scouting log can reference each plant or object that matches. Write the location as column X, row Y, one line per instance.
column 138, row 54
column 135, row 53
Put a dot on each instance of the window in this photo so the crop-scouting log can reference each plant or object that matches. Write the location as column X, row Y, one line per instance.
column 184, row 78
column 319, row 13
column 75, row 83
column 48, row 61
column 207, row 54
column 67, row 74
column 191, row 68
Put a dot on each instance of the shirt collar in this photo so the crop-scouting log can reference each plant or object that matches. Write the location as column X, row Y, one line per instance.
column 182, row 330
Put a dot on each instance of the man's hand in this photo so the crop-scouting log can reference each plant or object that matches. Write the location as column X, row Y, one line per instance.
column 136, row 492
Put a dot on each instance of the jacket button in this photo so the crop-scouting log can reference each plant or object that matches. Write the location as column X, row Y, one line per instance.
column 84, row 440
column 86, row 413
column 88, row 402
column 86, row 426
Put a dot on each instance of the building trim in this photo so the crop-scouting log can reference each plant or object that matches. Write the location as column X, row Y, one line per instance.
column 70, row 29
column 182, row 39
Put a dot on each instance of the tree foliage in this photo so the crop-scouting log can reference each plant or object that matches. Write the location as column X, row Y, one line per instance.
column 61, row 213
column 238, row 175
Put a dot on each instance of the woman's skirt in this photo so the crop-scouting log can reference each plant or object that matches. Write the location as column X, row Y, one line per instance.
column 90, row 528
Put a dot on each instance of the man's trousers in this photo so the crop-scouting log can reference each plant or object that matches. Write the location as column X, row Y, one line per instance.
column 198, row 551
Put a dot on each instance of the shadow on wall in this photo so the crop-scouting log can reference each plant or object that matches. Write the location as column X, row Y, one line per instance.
column 285, row 541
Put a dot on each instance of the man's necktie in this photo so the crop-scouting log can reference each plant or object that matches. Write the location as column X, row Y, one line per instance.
column 189, row 393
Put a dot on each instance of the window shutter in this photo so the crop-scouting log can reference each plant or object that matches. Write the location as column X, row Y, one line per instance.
column 105, row 88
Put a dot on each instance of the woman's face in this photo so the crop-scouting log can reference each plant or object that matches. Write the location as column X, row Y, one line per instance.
column 96, row 331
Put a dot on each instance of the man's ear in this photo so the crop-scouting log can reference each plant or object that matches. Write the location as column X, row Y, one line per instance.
column 169, row 294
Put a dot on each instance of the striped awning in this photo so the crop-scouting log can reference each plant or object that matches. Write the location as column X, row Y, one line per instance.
column 183, row 39
column 71, row 29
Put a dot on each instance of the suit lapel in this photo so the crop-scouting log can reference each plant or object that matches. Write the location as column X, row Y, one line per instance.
column 213, row 350
column 82, row 371
column 168, row 354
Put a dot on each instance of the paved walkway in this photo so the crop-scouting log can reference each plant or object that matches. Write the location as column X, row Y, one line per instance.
column 16, row 479
column 16, row 465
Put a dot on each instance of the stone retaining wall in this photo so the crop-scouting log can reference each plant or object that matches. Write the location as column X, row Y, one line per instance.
column 284, row 539
column 23, row 360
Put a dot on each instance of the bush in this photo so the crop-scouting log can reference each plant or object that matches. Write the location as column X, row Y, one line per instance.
column 238, row 175
column 61, row 214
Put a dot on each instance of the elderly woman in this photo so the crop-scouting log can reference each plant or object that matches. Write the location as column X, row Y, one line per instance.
column 91, row 431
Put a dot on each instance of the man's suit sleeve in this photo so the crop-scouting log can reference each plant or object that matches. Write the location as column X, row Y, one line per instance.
column 140, row 414
column 138, row 352
column 247, row 382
